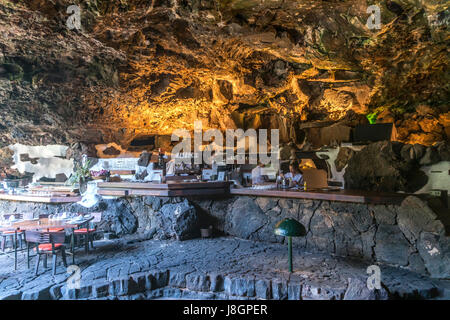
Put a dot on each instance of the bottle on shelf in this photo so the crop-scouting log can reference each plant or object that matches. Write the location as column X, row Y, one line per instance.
column 279, row 181
column 161, row 162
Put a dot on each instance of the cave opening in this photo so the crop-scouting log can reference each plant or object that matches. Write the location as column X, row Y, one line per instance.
column 143, row 141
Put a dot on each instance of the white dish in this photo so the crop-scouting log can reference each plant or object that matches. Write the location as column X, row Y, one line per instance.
column 34, row 219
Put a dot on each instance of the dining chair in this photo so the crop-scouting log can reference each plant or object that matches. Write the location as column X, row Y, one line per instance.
column 10, row 234
column 88, row 231
column 46, row 243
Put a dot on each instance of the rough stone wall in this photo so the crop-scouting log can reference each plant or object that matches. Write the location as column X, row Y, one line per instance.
column 149, row 217
column 117, row 216
column 165, row 218
column 393, row 166
column 410, row 235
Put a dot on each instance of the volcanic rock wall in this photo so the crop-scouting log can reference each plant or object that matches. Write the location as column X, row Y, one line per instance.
column 142, row 67
column 412, row 235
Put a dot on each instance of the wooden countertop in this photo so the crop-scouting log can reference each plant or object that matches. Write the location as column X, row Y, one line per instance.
column 171, row 185
column 169, row 189
column 356, row 196
column 36, row 198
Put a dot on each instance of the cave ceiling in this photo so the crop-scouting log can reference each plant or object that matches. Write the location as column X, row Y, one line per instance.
column 148, row 67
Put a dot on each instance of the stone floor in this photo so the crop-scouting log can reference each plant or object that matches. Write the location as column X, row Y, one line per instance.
column 221, row 268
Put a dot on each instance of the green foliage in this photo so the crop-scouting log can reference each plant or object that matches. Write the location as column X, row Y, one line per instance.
column 81, row 173
column 372, row 117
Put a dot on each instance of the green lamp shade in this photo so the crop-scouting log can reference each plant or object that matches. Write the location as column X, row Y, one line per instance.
column 290, row 228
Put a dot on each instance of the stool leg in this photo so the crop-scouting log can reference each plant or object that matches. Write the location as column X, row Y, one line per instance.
column 54, row 256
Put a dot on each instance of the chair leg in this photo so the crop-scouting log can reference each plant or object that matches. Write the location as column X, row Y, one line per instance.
column 72, row 244
column 63, row 255
column 20, row 241
column 36, row 267
column 86, row 243
column 91, row 237
column 45, row 260
column 54, row 256
column 28, row 255
column 15, row 250
column 3, row 243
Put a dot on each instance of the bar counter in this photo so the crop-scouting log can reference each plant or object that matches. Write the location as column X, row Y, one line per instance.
column 355, row 196
column 169, row 189
column 36, row 198
column 220, row 188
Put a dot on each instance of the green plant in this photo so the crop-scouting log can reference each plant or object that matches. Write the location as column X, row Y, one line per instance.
column 372, row 117
column 81, row 173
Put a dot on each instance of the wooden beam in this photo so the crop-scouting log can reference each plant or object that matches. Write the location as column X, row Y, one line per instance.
column 355, row 196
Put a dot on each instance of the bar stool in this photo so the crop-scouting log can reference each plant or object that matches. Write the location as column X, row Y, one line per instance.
column 10, row 235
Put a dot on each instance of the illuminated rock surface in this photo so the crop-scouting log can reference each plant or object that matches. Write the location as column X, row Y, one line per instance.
column 148, row 67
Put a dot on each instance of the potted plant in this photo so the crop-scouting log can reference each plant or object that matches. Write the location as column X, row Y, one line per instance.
column 100, row 175
column 81, row 175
